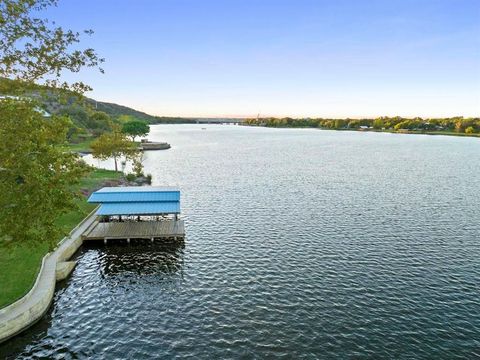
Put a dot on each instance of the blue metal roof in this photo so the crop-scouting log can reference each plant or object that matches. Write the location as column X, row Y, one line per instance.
column 144, row 189
column 140, row 208
column 107, row 197
column 137, row 200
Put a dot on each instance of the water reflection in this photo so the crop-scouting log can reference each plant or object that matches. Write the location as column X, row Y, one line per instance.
column 141, row 258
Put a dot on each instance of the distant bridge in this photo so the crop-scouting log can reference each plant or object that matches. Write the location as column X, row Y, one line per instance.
column 219, row 120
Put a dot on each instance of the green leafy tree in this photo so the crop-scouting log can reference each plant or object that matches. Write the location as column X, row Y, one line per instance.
column 99, row 120
column 135, row 128
column 36, row 173
column 114, row 145
column 378, row 123
column 460, row 124
column 125, row 118
column 339, row 123
column 469, row 130
column 33, row 49
column 137, row 165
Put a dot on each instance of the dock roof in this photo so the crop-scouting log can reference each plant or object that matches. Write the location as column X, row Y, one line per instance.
column 143, row 189
column 137, row 200
column 138, row 208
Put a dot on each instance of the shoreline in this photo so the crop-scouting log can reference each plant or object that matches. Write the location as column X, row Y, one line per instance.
column 404, row 132
column 22, row 262
column 29, row 309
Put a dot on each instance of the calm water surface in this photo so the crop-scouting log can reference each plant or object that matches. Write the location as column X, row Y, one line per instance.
column 300, row 244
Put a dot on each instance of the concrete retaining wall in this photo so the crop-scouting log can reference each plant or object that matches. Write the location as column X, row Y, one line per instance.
column 29, row 309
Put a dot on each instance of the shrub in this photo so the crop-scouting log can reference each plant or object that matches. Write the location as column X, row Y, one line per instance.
column 130, row 177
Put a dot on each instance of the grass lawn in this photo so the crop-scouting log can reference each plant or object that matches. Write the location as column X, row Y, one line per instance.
column 19, row 264
column 83, row 146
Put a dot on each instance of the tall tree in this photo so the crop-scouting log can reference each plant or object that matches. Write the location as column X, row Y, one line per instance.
column 135, row 128
column 113, row 145
column 36, row 171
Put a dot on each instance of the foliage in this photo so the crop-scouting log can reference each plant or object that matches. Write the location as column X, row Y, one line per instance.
column 19, row 264
column 149, row 178
column 137, row 165
column 124, row 118
column 113, row 145
column 36, row 173
column 99, row 122
column 378, row 123
column 396, row 123
column 130, row 177
column 33, row 49
column 124, row 114
column 135, row 128
column 77, row 114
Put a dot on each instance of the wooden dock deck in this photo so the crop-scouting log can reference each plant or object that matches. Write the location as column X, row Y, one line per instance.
column 164, row 229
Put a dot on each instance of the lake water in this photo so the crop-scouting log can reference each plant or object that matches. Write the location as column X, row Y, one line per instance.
column 301, row 243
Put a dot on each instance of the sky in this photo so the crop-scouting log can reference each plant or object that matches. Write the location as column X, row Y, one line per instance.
column 297, row 58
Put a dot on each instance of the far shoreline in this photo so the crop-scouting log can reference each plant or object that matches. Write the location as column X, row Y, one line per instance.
column 403, row 132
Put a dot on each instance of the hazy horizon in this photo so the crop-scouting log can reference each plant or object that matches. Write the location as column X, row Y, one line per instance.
column 331, row 59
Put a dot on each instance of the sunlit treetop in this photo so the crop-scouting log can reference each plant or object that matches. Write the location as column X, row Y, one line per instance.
column 35, row 50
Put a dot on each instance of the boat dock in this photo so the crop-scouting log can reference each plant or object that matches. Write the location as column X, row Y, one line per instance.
column 138, row 212
column 151, row 230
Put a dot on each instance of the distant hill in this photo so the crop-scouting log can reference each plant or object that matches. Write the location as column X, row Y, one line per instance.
column 81, row 112
column 115, row 110
column 71, row 106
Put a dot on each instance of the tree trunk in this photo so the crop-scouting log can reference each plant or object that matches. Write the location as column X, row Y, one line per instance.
column 115, row 159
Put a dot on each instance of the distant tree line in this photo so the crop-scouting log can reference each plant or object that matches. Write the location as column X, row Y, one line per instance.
column 385, row 123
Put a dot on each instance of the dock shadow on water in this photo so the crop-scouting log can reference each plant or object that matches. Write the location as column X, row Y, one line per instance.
column 140, row 258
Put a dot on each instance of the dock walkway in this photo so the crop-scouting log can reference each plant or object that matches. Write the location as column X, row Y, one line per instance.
column 164, row 229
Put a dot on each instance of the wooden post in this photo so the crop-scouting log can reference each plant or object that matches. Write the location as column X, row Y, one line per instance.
column 105, row 241
column 128, row 241
column 151, row 240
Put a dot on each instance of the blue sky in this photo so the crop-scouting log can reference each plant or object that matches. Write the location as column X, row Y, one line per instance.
column 334, row 58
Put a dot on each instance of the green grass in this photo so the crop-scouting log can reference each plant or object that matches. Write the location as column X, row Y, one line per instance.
column 83, row 146
column 95, row 179
column 19, row 265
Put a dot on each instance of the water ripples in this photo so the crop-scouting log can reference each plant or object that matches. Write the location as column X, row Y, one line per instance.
column 300, row 244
